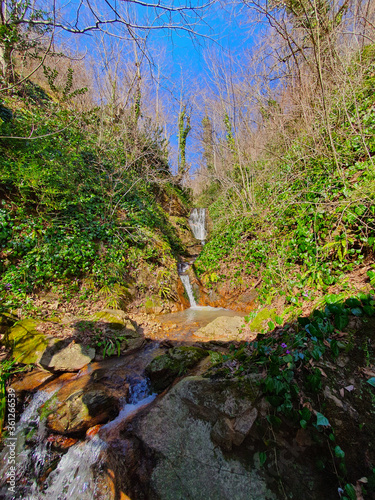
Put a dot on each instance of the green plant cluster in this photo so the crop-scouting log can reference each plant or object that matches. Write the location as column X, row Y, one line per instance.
column 311, row 223
column 291, row 360
column 79, row 195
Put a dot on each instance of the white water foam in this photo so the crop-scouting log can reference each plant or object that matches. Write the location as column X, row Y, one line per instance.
column 186, row 282
column 197, row 222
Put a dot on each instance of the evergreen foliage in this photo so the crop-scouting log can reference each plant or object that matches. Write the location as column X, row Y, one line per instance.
column 79, row 194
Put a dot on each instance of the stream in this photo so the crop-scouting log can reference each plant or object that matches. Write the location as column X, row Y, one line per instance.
column 44, row 472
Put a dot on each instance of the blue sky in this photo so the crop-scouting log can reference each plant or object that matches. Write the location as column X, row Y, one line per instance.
column 222, row 29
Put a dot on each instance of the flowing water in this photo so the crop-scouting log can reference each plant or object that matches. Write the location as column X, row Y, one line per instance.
column 197, row 222
column 44, row 473
column 186, row 282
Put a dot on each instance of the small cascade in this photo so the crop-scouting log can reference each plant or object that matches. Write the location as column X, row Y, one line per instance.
column 44, row 472
column 186, row 282
column 29, row 462
column 197, row 223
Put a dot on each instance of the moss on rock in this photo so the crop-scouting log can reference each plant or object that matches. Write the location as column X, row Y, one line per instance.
column 165, row 368
column 27, row 344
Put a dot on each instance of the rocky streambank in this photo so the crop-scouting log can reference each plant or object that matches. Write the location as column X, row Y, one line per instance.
column 231, row 413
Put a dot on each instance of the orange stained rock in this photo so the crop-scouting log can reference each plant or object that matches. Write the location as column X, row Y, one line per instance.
column 56, row 382
column 61, row 442
column 31, row 381
column 111, row 484
column 90, row 433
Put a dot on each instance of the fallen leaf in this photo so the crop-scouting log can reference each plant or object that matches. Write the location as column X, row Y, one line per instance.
column 322, row 372
column 342, row 392
column 363, row 480
column 350, row 388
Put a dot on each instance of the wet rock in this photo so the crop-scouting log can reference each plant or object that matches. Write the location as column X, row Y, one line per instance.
column 224, row 328
column 83, row 402
column 92, row 431
column 82, row 409
column 31, row 381
column 67, row 358
column 165, row 368
column 61, row 443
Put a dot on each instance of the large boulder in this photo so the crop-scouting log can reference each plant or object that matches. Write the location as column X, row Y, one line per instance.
column 226, row 329
column 27, row 343
column 180, row 451
column 165, row 368
column 64, row 357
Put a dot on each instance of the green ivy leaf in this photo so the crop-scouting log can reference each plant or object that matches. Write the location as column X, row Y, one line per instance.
column 350, row 491
column 371, row 381
column 368, row 310
column 334, row 348
column 271, row 325
column 262, row 458
column 341, row 321
column 339, row 453
column 321, row 420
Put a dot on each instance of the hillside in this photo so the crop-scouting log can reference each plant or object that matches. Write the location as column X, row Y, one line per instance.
column 310, row 229
column 90, row 211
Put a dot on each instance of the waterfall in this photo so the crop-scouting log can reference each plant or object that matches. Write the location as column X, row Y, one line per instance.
column 186, row 282
column 197, row 222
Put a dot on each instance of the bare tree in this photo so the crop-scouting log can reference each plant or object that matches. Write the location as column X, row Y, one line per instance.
column 21, row 21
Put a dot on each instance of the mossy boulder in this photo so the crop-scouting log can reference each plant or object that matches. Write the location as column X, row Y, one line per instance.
column 117, row 325
column 27, row 343
column 116, row 320
column 154, row 305
column 261, row 320
column 165, row 368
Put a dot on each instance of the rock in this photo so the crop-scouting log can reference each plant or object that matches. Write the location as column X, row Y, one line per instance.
column 243, row 424
column 184, row 433
column 31, row 381
column 116, row 319
column 67, row 358
column 225, row 328
column 61, row 443
column 153, row 305
column 165, row 368
column 222, row 433
column 83, row 409
column 262, row 318
column 120, row 327
column 83, row 402
column 27, row 344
